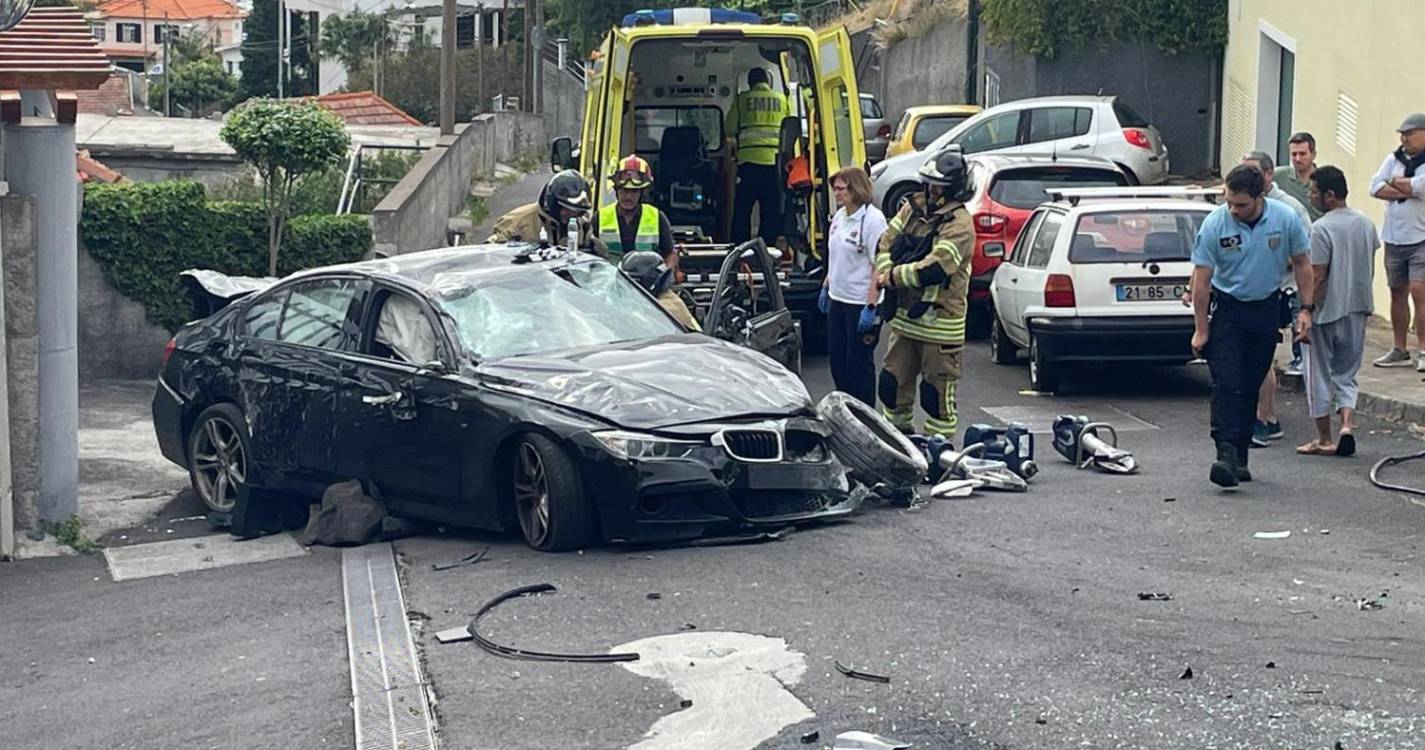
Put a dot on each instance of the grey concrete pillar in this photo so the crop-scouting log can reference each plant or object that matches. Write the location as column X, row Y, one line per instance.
column 39, row 159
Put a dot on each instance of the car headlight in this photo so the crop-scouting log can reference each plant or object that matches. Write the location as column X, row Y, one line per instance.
column 634, row 445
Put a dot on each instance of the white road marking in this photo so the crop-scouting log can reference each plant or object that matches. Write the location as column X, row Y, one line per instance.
column 197, row 553
column 738, row 683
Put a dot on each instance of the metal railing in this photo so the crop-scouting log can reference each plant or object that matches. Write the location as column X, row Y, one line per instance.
column 562, row 56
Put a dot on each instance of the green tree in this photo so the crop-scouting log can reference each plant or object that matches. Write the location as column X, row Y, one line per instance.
column 283, row 141
column 259, row 53
column 354, row 38
column 411, row 80
column 200, row 86
column 1043, row 27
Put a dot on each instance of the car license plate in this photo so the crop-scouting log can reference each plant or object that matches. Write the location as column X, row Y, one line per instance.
column 1151, row 292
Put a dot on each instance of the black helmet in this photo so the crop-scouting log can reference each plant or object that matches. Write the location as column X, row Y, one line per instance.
column 948, row 170
column 648, row 269
column 565, row 190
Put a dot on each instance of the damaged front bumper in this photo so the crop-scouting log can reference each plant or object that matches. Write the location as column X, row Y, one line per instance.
column 713, row 479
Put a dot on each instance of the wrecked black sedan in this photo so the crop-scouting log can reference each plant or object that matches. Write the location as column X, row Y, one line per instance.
column 495, row 387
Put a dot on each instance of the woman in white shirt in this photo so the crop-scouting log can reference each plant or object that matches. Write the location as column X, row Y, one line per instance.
column 849, row 294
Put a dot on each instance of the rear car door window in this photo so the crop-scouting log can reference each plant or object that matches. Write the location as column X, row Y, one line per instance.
column 1054, row 123
column 263, row 315
column 998, row 131
column 1020, row 256
column 1027, row 188
column 319, row 314
column 1127, row 117
column 1043, row 246
column 930, row 128
column 870, row 108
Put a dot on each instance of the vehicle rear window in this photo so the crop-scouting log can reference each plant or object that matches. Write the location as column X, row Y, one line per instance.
column 870, row 108
column 1029, row 187
column 1127, row 117
column 1135, row 236
column 930, row 128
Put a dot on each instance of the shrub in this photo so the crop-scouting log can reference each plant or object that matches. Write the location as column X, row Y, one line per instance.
column 144, row 234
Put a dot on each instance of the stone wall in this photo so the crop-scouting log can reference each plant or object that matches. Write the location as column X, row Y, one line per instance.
column 563, row 103
column 22, row 352
column 116, row 339
column 928, row 69
column 153, row 166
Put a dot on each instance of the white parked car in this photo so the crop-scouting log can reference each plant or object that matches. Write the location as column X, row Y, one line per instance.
column 1097, row 275
column 1100, row 126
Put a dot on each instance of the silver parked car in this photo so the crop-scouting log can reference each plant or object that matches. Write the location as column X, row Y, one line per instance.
column 877, row 130
column 1101, row 126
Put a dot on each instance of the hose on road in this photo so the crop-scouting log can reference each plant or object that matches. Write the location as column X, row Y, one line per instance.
column 1392, row 461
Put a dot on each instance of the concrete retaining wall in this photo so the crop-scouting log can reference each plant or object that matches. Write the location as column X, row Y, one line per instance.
column 928, row 69
column 210, row 169
column 415, row 214
column 22, row 352
column 116, row 340
column 563, row 103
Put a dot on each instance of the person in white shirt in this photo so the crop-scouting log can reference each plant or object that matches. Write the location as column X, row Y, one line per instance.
column 1267, row 428
column 849, row 294
column 1401, row 184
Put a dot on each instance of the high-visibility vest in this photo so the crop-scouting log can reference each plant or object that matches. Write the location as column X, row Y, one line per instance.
column 759, row 115
column 645, row 238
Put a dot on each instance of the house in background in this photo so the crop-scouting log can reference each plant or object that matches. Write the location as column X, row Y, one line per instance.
column 1346, row 73
column 132, row 32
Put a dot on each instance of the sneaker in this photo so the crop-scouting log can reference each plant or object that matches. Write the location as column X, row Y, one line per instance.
column 1393, row 358
column 1293, row 368
column 1259, row 434
column 1274, row 430
column 1420, row 363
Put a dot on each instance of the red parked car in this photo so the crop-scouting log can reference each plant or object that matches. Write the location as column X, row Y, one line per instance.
column 1007, row 189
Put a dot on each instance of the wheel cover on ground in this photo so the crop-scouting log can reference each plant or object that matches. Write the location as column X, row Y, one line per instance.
column 531, row 494
column 219, row 464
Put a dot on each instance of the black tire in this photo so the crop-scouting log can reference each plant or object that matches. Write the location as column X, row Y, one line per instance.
column 1132, row 178
column 1043, row 372
column 874, row 450
column 219, row 460
column 897, row 194
column 977, row 322
column 542, row 469
column 1002, row 349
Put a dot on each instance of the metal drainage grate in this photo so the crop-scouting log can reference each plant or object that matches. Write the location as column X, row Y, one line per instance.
column 388, row 691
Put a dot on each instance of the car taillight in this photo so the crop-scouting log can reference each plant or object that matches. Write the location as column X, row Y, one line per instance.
column 1137, row 137
column 988, row 223
column 1059, row 291
column 168, row 350
column 884, row 132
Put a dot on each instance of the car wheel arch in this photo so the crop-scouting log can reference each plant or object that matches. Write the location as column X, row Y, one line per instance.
column 503, row 474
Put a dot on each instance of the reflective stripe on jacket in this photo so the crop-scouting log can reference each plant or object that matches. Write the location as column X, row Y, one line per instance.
column 646, row 238
column 756, row 118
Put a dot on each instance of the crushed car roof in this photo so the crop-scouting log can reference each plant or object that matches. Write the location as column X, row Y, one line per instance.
column 437, row 268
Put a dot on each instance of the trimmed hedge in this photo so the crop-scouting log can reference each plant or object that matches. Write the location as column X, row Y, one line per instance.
column 144, row 234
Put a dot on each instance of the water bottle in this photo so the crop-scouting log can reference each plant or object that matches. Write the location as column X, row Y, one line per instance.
column 543, row 237
column 573, row 234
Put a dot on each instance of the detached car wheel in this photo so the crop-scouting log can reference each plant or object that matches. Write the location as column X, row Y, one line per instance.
column 218, row 454
column 553, row 510
column 1043, row 373
column 1002, row 349
column 898, row 195
column 871, row 447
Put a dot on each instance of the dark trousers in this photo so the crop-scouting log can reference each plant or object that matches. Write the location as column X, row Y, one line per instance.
column 853, row 360
column 757, row 183
column 1242, row 336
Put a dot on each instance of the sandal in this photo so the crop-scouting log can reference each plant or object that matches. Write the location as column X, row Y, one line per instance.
column 1346, row 445
column 1316, row 448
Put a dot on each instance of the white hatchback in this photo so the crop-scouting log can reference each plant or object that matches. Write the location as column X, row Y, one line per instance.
column 1097, row 275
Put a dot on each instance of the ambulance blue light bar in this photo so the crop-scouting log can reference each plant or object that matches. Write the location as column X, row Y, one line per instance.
column 676, row 16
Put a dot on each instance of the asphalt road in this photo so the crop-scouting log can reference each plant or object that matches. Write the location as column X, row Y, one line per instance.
column 1002, row 620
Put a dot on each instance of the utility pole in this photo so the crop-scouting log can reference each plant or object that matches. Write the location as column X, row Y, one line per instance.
column 537, row 58
column 281, row 35
column 447, row 67
column 479, row 60
column 167, row 69
column 972, row 51
column 505, row 53
column 530, row 56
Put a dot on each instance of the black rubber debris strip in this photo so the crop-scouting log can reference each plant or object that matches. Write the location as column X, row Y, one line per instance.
column 858, row 675
column 654, row 596
column 685, row 703
column 811, row 737
column 1186, row 675
column 723, row 541
column 1154, row 596
column 469, row 559
column 510, row 652
column 1271, row 665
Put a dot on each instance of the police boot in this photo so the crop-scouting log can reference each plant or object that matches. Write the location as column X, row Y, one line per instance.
column 1243, row 473
column 1224, row 469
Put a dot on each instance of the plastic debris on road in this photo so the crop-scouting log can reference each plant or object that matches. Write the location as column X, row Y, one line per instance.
column 859, row 740
column 1271, row 535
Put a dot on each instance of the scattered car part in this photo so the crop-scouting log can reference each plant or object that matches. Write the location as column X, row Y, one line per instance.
column 722, row 541
column 1272, row 534
column 871, row 447
column 1186, row 675
column 859, row 740
column 510, row 652
column 1014, row 445
column 1392, row 461
column 811, row 737
column 469, row 559
column 1154, row 596
column 1078, row 440
column 856, row 674
column 955, row 488
column 454, row 635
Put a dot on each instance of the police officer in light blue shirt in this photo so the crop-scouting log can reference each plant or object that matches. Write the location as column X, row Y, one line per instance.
column 1239, row 253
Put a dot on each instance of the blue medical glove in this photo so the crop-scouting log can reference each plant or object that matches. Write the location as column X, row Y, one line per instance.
column 823, row 302
column 867, row 321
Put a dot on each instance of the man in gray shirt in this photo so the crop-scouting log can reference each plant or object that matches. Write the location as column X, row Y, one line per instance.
column 1343, row 245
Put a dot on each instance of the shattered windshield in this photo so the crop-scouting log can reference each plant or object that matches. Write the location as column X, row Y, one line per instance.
column 529, row 311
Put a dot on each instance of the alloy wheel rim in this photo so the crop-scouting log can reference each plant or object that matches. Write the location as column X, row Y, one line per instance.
column 532, row 494
column 219, row 464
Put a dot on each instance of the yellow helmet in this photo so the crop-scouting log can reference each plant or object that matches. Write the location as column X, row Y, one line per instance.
column 632, row 173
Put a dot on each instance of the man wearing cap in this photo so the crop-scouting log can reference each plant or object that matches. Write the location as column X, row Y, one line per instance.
column 629, row 224
column 1401, row 184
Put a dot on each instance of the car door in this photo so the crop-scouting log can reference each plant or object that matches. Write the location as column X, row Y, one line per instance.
column 840, row 104
column 289, row 373
column 748, row 308
column 403, row 414
column 1061, row 130
column 1009, row 282
column 999, row 132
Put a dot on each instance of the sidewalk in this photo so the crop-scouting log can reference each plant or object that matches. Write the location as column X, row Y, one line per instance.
column 1396, row 394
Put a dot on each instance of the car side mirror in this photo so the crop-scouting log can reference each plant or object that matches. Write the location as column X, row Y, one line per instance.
column 561, row 153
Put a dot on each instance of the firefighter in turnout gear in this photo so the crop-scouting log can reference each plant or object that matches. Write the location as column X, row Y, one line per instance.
column 923, row 263
column 629, row 224
column 564, row 197
column 755, row 121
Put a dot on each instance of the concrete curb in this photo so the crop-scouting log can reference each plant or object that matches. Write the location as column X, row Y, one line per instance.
column 1376, row 405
